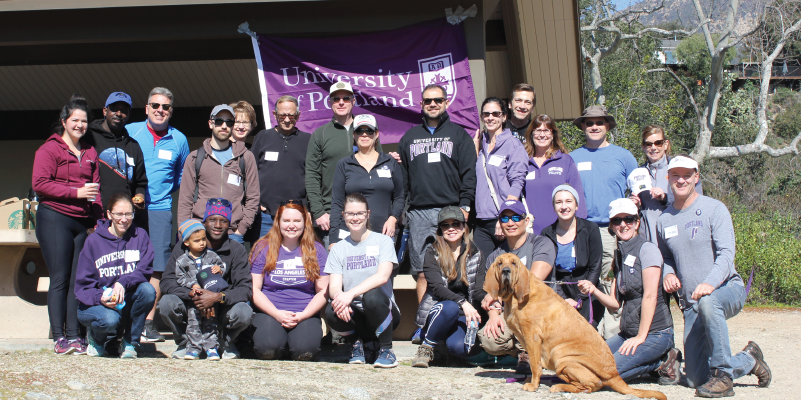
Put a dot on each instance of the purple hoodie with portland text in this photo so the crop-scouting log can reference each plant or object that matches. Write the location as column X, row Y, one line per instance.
column 107, row 259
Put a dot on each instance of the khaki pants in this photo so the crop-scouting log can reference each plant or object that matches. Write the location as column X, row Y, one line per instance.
column 609, row 325
column 504, row 345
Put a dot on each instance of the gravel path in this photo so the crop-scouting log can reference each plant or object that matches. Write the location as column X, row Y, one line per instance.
column 43, row 375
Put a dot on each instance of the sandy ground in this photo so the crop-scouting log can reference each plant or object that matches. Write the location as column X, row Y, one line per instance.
column 43, row 375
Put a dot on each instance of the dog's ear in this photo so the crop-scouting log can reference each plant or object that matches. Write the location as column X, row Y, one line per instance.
column 492, row 281
column 521, row 282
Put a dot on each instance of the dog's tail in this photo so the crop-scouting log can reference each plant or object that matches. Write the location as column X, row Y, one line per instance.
column 617, row 384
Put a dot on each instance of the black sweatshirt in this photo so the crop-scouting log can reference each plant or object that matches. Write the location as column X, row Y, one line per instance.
column 440, row 169
column 282, row 167
column 382, row 186
column 122, row 165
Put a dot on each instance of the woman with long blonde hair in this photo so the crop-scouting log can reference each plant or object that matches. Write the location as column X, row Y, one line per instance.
column 289, row 287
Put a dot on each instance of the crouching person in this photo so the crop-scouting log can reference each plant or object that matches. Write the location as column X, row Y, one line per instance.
column 232, row 310
column 118, row 256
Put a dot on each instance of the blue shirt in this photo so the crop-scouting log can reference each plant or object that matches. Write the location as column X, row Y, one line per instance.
column 603, row 175
column 430, row 129
column 223, row 155
column 164, row 163
column 565, row 257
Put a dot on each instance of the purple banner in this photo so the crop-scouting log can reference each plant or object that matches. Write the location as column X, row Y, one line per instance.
column 387, row 70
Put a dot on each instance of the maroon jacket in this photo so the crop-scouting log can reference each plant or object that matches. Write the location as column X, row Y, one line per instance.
column 58, row 173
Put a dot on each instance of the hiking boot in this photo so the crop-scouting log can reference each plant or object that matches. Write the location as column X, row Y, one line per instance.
column 151, row 333
column 212, row 355
column 417, row 338
column 719, row 385
column 670, row 369
column 386, row 359
column 523, row 366
column 761, row 369
column 62, row 347
column 424, row 355
column 357, row 353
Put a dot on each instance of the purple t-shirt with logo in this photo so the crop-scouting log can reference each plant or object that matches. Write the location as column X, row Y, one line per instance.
column 286, row 286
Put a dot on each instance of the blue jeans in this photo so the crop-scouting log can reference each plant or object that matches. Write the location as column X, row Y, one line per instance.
column 160, row 223
column 131, row 319
column 444, row 323
column 237, row 238
column 706, row 336
column 266, row 223
column 647, row 356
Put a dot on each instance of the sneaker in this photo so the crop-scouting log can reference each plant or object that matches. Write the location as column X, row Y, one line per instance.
column 180, row 352
column 386, row 359
column 670, row 369
column 127, row 350
column 192, row 354
column 761, row 369
column 418, row 336
column 523, row 366
column 231, row 352
column 94, row 349
column 719, row 385
column 506, row 362
column 357, row 353
column 151, row 333
column 63, row 347
column 424, row 355
column 79, row 345
column 212, row 355
column 482, row 359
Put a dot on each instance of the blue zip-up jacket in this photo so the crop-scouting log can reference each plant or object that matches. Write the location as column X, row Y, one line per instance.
column 164, row 163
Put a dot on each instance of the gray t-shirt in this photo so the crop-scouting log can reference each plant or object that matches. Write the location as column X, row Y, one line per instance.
column 535, row 248
column 649, row 257
column 697, row 244
column 357, row 261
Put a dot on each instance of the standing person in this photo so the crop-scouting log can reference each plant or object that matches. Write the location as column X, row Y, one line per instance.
column 221, row 168
column 521, row 105
column 645, row 341
column 500, row 174
column 234, row 312
column 289, row 287
column 438, row 162
column 451, row 265
column 165, row 150
column 549, row 166
column 377, row 176
column 280, row 154
column 579, row 252
column 696, row 238
column 62, row 169
column 329, row 144
column 100, row 267
column 362, row 307
column 244, row 122
column 604, row 168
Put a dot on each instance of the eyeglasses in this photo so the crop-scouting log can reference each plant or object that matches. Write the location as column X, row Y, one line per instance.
column 227, row 122
column 437, row 100
column 242, row 123
column 218, row 202
column 455, row 225
column 496, row 114
column 291, row 201
column 592, row 123
column 542, row 132
column 337, row 99
column 291, row 117
column 360, row 132
column 515, row 218
column 129, row 215
column 349, row 214
column 156, row 106
column 629, row 220
column 657, row 143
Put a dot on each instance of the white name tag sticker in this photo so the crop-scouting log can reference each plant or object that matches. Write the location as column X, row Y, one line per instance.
column 129, row 160
column 234, row 179
column 165, row 154
column 495, row 161
column 343, row 234
column 131, row 255
column 433, row 157
column 584, row 166
column 384, row 173
column 372, row 251
column 523, row 260
column 671, row 231
column 270, row 156
column 531, row 175
column 573, row 252
column 630, row 260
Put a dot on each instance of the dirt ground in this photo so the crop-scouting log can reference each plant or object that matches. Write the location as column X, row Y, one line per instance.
column 43, row 375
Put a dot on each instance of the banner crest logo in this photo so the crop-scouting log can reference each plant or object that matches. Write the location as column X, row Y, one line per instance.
column 438, row 70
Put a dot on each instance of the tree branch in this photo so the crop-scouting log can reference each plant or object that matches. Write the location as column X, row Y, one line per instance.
column 686, row 88
column 753, row 148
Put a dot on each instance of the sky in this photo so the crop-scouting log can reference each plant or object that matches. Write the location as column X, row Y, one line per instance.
column 621, row 4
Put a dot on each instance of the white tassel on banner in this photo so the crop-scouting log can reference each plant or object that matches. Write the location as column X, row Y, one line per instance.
column 460, row 15
column 245, row 28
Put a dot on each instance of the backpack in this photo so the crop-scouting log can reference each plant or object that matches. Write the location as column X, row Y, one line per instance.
column 201, row 154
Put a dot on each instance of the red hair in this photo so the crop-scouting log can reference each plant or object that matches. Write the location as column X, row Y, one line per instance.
column 271, row 243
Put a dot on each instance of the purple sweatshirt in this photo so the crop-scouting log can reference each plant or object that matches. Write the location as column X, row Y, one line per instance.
column 107, row 259
column 506, row 167
column 540, row 183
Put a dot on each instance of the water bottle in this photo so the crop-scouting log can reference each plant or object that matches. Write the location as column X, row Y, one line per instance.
column 404, row 241
column 107, row 292
column 470, row 336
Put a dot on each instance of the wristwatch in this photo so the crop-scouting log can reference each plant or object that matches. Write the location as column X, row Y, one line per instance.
column 222, row 300
column 461, row 302
column 466, row 208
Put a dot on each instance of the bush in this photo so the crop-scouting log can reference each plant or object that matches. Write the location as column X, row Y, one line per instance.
column 788, row 123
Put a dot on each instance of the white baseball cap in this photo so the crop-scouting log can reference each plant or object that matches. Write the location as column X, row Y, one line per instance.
column 639, row 180
column 682, row 162
column 622, row 206
column 340, row 86
column 364, row 119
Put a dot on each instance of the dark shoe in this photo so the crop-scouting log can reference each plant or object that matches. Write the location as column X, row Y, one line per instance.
column 151, row 333
column 357, row 353
column 425, row 354
column 670, row 369
column 417, row 338
column 761, row 369
column 523, row 365
column 719, row 385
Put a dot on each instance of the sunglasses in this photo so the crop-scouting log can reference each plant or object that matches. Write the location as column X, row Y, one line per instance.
column 455, row 225
column 496, row 114
column 515, row 218
column 227, row 122
column 337, row 99
column 437, row 100
column 629, row 220
column 291, row 201
column 218, row 202
column 593, row 123
column 657, row 143
column 156, row 106
column 282, row 117
column 360, row 132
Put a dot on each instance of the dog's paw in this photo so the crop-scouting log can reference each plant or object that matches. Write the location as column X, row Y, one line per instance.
column 555, row 389
column 530, row 387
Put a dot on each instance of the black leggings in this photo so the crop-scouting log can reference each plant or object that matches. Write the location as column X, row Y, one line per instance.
column 484, row 235
column 365, row 324
column 271, row 340
column 61, row 239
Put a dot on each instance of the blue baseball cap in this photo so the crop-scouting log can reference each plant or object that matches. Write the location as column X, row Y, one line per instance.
column 514, row 206
column 119, row 96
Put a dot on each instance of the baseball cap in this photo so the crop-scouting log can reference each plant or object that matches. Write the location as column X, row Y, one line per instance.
column 622, row 206
column 682, row 162
column 340, row 86
column 365, row 119
column 119, row 96
column 514, row 206
column 639, row 181
column 221, row 107
column 450, row 212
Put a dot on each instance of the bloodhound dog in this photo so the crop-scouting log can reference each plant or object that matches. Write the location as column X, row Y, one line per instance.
column 553, row 332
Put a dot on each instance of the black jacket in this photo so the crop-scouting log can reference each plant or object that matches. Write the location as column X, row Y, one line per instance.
column 122, row 165
column 451, row 180
column 282, row 167
column 589, row 256
column 237, row 274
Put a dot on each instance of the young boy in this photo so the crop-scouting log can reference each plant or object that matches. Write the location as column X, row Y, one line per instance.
column 200, row 268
